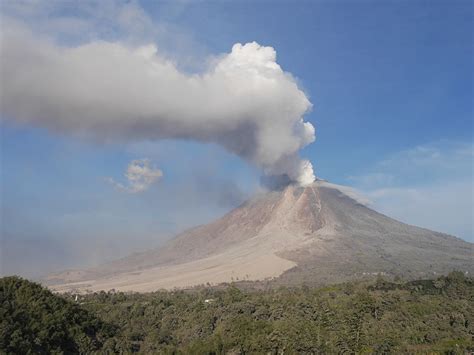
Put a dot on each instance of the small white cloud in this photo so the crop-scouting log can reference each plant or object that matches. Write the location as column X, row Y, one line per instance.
column 140, row 175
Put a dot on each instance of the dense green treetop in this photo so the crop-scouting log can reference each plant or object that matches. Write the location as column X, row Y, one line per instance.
column 425, row 316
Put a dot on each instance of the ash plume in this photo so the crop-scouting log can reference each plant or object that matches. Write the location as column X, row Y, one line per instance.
column 110, row 91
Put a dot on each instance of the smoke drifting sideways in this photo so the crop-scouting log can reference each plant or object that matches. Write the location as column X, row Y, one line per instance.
column 109, row 91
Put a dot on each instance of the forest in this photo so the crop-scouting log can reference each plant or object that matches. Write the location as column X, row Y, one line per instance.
column 377, row 317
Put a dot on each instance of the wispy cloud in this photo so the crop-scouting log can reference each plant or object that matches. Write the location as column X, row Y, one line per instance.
column 420, row 165
column 85, row 20
column 140, row 175
column 429, row 185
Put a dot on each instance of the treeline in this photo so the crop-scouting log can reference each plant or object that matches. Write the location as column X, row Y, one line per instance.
column 426, row 316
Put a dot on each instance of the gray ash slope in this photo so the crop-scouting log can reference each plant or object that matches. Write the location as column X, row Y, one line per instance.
column 365, row 242
column 316, row 234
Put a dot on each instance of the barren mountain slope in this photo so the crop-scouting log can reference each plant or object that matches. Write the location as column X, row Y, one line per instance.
column 315, row 234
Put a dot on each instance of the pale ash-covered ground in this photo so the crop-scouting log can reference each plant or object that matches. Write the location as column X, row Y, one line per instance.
column 314, row 235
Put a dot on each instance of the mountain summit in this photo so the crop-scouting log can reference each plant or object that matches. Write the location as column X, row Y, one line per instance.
column 316, row 234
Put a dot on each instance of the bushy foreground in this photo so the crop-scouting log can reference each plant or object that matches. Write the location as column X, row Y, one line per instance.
column 35, row 321
column 427, row 316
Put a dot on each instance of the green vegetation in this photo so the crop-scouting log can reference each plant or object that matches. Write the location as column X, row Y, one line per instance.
column 427, row 316
column 35, row 321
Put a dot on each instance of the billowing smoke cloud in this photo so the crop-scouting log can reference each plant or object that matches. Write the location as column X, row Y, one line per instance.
column 243, row 102
column 140, row 175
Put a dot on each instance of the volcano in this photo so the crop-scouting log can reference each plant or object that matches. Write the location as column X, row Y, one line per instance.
column 318, row 234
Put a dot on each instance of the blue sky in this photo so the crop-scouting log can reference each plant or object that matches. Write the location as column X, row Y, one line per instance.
column 391, row 88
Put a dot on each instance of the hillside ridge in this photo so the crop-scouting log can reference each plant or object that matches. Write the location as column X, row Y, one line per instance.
column 321, row 233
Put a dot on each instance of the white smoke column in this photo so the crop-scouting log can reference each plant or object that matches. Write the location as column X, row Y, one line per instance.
column 108, row 91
